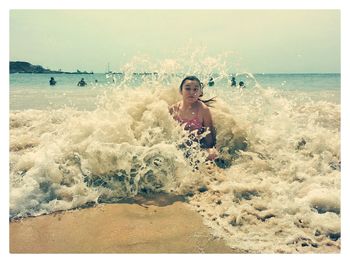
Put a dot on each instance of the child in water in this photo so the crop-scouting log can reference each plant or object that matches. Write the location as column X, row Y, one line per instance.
column 195, row 114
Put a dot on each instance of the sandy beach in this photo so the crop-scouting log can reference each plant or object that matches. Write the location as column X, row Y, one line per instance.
column 145, row 227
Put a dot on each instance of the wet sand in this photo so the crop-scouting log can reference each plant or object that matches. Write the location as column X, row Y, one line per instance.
column 144, row 227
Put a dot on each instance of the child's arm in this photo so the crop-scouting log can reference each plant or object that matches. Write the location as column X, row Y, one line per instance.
column 210, row 139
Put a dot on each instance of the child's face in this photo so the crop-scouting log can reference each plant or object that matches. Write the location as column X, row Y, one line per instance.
column 191, row 90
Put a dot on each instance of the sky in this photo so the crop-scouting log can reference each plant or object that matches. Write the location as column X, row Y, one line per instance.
column 261, row 41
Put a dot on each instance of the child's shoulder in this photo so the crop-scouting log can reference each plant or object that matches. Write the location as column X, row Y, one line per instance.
column 203, row 106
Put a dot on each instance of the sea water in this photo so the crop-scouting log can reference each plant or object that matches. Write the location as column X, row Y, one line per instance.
column 275, row 188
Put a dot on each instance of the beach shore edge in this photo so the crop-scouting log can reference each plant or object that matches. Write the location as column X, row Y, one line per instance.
column 116, row 228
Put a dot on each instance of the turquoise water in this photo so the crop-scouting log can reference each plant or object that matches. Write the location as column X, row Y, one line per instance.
column 32, row 91
column 286, row 81
column 310, row 82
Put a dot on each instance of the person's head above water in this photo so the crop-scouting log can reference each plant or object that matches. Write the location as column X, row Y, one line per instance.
column 192, row 87
column 190, row 79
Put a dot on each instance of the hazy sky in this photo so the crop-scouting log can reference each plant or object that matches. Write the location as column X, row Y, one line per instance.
column 262, row 40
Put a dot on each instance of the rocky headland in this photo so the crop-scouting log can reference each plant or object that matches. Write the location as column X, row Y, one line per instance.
column 26, row 67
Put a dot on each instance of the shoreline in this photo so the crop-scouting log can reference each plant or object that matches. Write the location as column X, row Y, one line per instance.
column 146, row 226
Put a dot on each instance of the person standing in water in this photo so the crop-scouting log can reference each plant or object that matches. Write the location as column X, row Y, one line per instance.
column 52, row 81
column 233, row 82
column 195, row 114
column 241, row 85
column 82, row 83
column 211, row 82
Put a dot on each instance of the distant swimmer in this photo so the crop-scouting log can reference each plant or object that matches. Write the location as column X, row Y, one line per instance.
column 52, row 82
column 241, row 85
column 82, row 83
column 233, row 82
column 211, row 82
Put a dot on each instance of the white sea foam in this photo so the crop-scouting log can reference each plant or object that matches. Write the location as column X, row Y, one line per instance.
column 278, row 188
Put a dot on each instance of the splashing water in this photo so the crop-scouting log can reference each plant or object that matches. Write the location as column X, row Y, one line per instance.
column 275, row 188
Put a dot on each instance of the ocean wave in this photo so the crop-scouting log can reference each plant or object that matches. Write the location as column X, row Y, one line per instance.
column 275, row 187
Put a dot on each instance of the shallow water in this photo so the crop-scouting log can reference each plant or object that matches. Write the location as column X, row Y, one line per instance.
column 278, row 188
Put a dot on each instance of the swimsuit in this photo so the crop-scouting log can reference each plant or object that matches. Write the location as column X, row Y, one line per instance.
column 190, row 124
